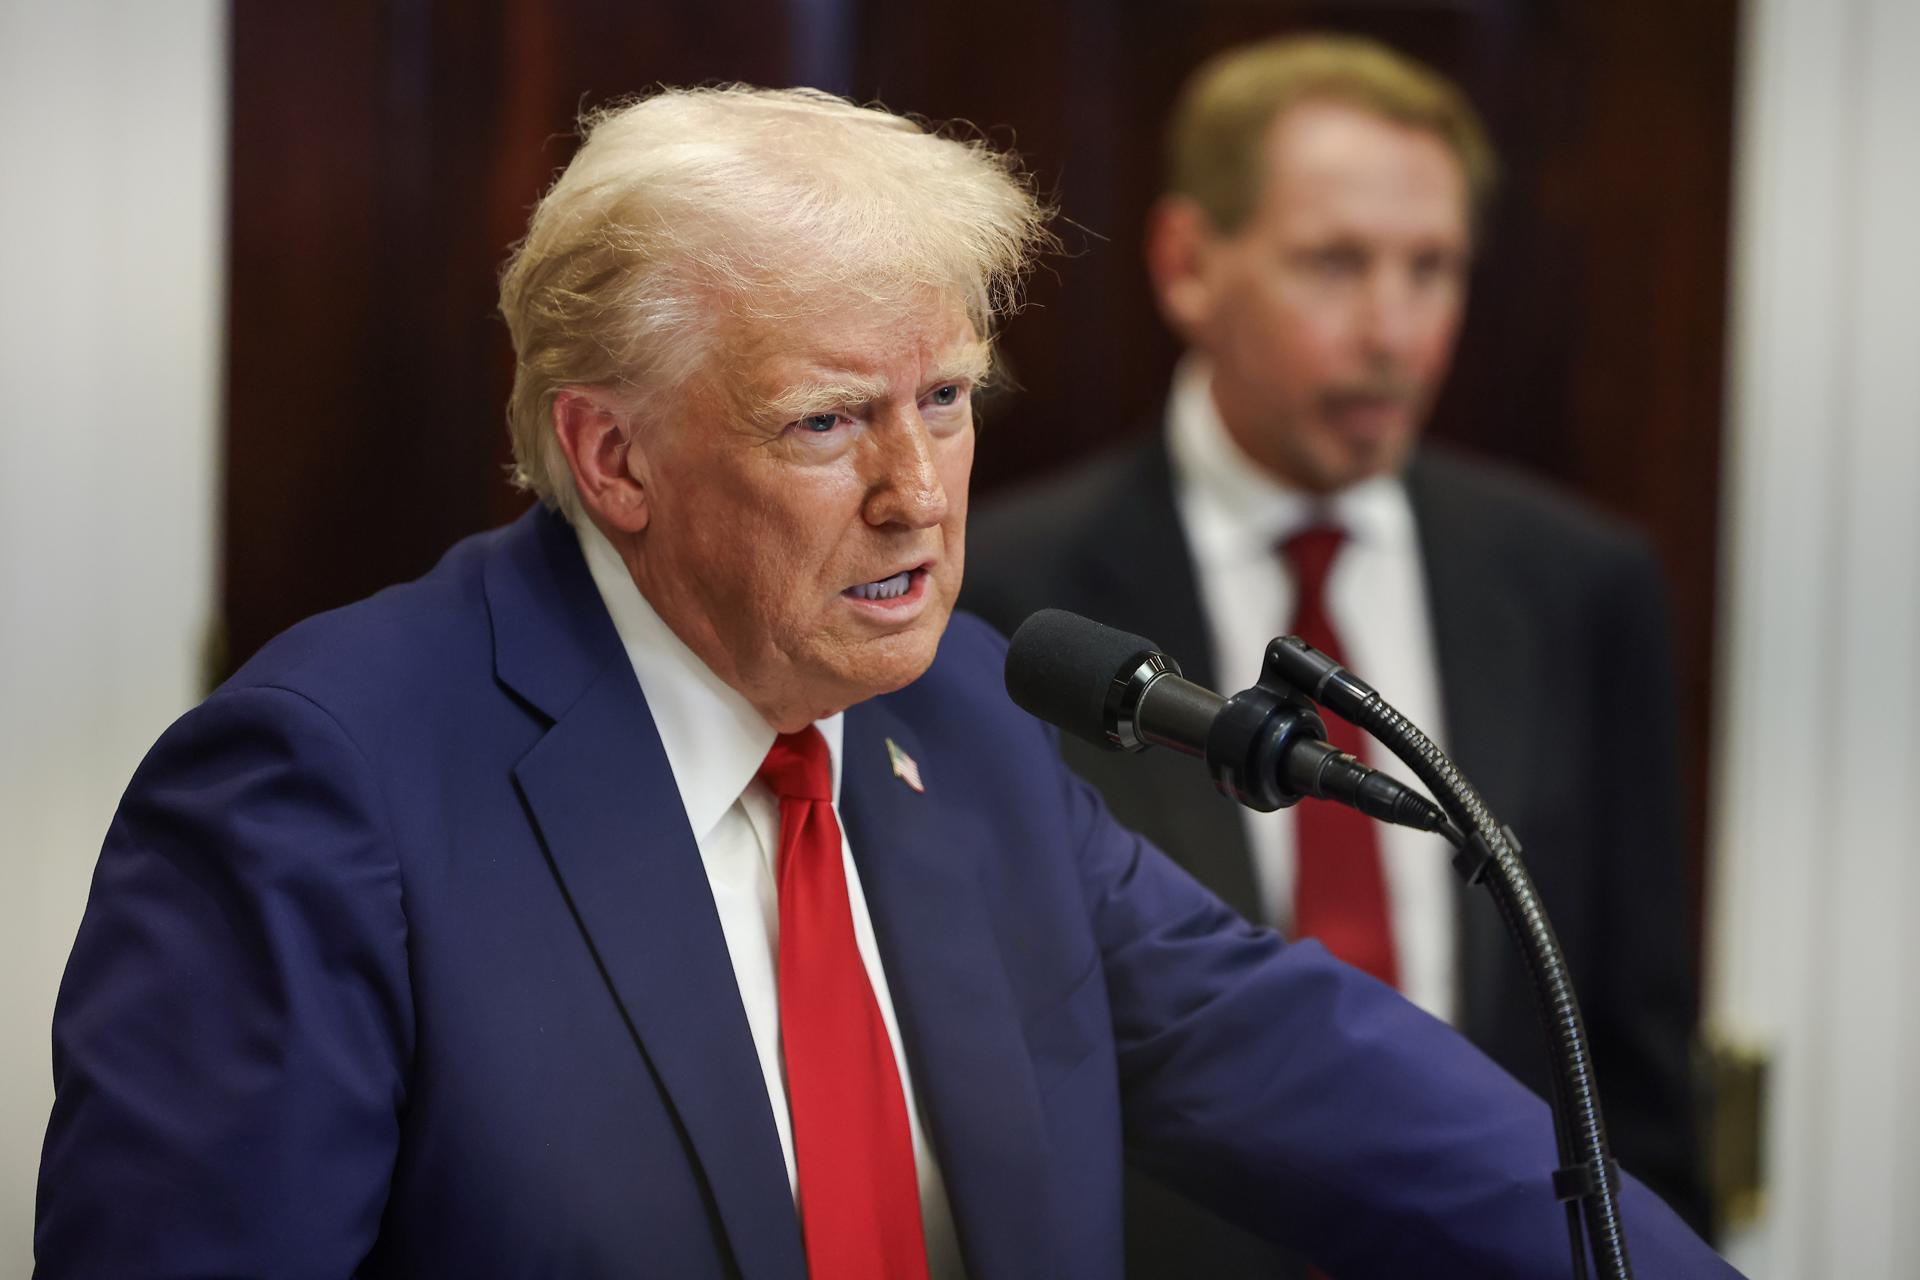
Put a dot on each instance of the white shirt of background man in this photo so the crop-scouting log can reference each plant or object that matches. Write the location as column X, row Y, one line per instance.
column 1235, row 515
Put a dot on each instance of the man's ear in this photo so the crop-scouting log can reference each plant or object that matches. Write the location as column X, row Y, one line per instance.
column 1180, row 243
column 609, row 470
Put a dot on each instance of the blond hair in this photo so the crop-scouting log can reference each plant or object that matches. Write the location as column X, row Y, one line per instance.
column 1228, row 107
column 689, row 208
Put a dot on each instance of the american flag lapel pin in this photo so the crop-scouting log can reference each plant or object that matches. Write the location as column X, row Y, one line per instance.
column 904, row 768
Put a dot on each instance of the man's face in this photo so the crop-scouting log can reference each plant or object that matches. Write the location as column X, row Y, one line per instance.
column 808, row 504
column 1330, row 316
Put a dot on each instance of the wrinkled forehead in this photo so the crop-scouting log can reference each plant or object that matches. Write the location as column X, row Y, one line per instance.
column 843, row 347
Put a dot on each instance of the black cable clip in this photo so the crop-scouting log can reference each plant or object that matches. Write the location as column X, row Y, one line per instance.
column 1580, row 1182
column 1471, row 859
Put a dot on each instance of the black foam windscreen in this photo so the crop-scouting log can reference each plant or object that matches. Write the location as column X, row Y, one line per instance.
column 1061, row 667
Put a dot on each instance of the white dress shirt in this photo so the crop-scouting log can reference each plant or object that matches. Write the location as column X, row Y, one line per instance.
column 715, row 742
column 1235, row 515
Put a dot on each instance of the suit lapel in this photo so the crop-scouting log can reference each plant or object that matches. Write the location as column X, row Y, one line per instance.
column 609, row 815
column 967, row 1054
column 1138, row 568
column 1140, row 578
column 1486, row 650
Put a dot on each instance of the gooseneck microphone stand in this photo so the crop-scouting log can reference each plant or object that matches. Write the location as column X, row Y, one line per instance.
column 1263, row 747
column 1487, row 853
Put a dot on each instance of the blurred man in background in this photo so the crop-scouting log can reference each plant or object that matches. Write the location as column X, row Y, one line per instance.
column 1312, row 251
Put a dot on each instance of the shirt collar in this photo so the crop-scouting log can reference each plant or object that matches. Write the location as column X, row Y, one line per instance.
column 1236, row 511
column 714, row 739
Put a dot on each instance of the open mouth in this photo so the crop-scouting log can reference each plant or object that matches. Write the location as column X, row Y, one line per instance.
column 900, row 588
column 885, row 588
column 1373, row 401
column 1366, row 402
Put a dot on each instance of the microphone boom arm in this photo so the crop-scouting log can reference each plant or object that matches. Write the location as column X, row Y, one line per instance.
column 1489, row 854
column 1264, row 748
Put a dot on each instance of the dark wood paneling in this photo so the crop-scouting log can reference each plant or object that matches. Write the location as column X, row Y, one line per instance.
column 385, row 154
column 1592, row 352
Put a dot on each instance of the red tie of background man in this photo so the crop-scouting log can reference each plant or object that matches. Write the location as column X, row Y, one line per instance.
column 859, row 1195
column 1340, row 889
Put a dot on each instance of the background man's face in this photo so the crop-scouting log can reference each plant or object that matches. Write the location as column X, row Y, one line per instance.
column 1331, row 314
column 809, row 505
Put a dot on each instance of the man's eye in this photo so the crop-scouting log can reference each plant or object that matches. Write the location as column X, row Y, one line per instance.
column 1336, row 262
column 949, row 394
column 819, row 423
column 1431, row 268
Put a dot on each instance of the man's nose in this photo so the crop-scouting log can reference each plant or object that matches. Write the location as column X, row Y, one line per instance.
column 904, row 485
column 1390, row 313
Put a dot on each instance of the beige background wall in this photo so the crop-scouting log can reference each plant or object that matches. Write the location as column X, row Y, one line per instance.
column 1816, row 952
column 111, row 160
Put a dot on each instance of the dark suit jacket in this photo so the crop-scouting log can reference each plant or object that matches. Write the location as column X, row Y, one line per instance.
column 400, row 959
column 1556, row 676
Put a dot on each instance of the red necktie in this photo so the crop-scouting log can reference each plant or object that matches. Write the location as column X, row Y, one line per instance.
column 859, row 1195
column 1340, row 891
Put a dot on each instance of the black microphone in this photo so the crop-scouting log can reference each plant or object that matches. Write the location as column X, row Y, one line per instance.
column 1264, row 746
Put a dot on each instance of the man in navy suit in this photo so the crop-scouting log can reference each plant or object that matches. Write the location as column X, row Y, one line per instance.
column 490, row 926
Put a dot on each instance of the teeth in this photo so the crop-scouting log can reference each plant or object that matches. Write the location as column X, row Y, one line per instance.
column 886, row 588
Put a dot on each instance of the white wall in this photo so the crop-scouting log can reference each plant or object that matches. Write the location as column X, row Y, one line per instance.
column 112, row 170
column 1816, row 918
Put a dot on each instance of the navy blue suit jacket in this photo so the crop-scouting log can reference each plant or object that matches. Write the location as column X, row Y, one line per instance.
column 400, row 960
